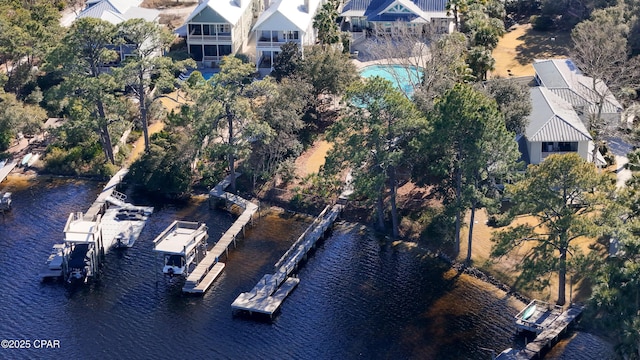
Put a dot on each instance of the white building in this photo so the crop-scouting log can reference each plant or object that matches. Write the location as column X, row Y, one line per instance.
column 217, row 28
column 386, row 16
column 554, row 128
column 284, row 21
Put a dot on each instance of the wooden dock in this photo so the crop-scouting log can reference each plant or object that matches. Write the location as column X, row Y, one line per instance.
column 546, row 338
column 272, row 289
column 6, row 169
column 209, row 268
column 100, row 204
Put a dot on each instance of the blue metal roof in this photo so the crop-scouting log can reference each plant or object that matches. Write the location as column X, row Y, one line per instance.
column 371, row 7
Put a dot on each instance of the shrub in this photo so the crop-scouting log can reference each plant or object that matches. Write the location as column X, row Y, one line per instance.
column 541, row 22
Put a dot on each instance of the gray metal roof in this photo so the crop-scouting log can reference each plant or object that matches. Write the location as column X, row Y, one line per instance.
column 565, row 79
column 116, row 11
column 553, row 119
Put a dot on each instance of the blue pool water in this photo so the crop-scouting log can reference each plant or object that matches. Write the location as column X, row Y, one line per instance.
column 402, row 77
column 207, row 74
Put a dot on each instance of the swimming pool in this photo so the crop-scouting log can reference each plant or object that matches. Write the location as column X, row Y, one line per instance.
column 402, row 77
column 206, row 74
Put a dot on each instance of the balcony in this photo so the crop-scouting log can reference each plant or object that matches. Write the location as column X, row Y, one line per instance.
column 274, row 43
column 210, row 39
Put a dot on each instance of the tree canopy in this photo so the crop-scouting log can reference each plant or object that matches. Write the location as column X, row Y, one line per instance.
column 370, row 139
column 566, row 195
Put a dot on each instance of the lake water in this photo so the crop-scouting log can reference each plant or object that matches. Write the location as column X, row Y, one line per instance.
column 358, row 298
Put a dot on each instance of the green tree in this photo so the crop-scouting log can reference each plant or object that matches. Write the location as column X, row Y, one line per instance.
column 371, row 138
column 288, row 61
column 146, row 41
column 455, row 8
column 325, row 23
column 166, row 167
column 80, row 58
column 15, row 117
column 223, row 111
column 279, row 136
column 513, row 101
column 567, row 196
column 482, row 29
column 480, row 62
column 443, row 69
column 465, row 152
column 615, row 297
column 329, row 71
column 27, row 33
column 600, row 50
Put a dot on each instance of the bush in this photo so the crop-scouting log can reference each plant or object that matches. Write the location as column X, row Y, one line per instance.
column 500, row 220
column 286, row 171
column 541, row 22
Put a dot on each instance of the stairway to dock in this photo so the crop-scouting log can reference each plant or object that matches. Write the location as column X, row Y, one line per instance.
column 209, row 268
column 272, row 289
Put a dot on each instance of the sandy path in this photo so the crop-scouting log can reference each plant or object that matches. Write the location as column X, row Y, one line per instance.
column 311, row 160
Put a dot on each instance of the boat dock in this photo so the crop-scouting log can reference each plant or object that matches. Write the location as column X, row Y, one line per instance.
column 94, row 233
column 551, row 325
column 209, row 268
column 272, row 289
column 100, row 205
column 6, row 169
column 129, row 219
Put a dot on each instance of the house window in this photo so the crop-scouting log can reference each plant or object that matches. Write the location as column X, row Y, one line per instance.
column 210, row 50
column 224, row 29
column 265, row 35
column 196, row 52
column 398, row 9
column 290, row 35
column 195, row 29
column 565, row 146
column 224, row 50
column 206, row 30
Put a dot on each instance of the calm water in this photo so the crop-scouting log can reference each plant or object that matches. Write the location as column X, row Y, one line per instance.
column 402, row 77
column 357, row 298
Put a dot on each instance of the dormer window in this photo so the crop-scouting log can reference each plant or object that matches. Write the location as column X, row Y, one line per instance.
column 398, row 9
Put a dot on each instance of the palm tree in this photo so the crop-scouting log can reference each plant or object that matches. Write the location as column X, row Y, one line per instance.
column 456, row 7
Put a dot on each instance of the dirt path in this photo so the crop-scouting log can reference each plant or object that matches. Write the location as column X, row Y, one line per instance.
column 311, row 160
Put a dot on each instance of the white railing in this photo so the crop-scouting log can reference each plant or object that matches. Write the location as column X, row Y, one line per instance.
column 209, row 38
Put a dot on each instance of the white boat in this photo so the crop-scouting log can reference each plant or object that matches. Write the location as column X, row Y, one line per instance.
column 3, row 163
column 182, row 244
column 26, row 159
column 5, row 201
column 53, row 265
column 33, row 159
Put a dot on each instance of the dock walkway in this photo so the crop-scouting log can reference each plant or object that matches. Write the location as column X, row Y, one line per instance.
column 6, row 169
column 100, row 204
column 269, row 293
column 546, row 338
column 209, row 268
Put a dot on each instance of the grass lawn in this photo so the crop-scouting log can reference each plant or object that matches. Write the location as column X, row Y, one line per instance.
column 518, row 48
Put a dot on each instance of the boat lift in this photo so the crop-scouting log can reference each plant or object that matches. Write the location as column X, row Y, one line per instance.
column 83, row 248
column 182, row 245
